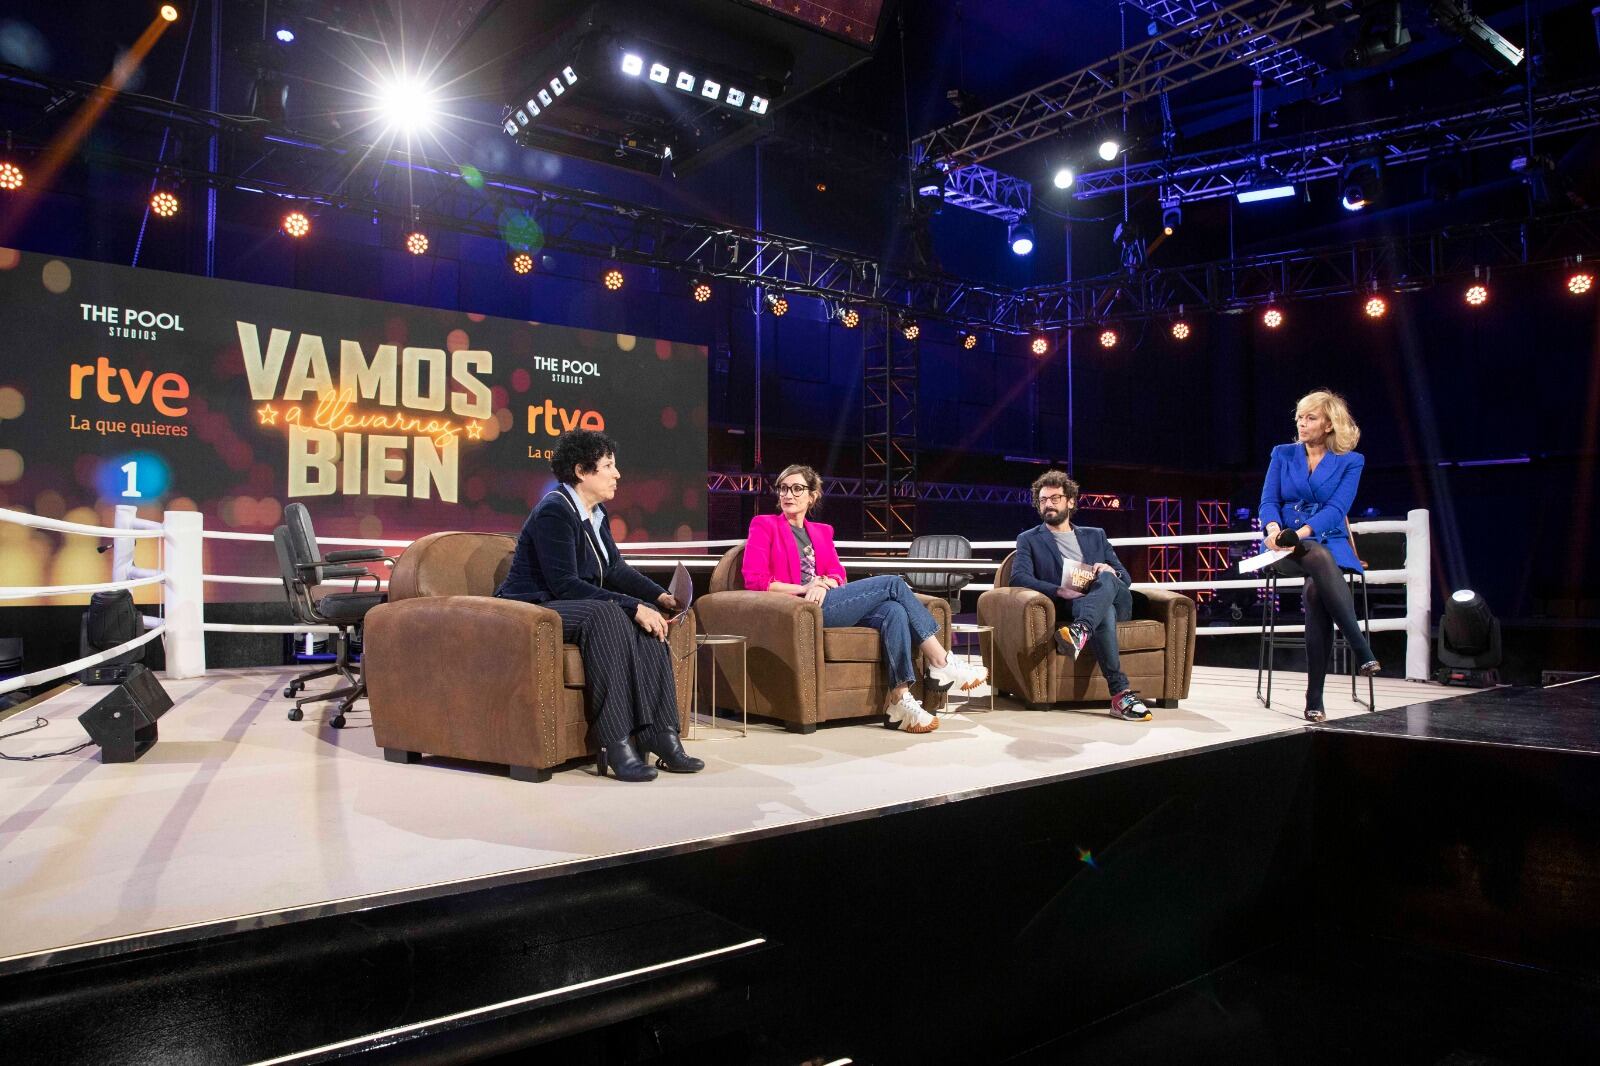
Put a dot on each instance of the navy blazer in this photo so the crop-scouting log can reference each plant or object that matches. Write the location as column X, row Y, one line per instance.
column 557, row 558
column 1038, row 561
column 1294, row 496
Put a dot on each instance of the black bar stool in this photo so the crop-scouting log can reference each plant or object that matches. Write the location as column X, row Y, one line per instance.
column 1343, row 660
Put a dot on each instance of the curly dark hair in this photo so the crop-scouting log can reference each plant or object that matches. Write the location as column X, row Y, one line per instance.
column 1055, row 479
column 579, row 449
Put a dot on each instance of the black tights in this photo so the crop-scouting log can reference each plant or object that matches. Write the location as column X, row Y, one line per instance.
column 1328, row 603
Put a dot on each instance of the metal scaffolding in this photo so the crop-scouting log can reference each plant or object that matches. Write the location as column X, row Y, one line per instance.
column 1182, row 55
column 889, row 430
column 1210, row 560
column 1266, row 56
column 726, row 483
column 1163, row 517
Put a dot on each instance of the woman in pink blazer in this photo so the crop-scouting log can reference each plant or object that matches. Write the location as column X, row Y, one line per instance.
column 788, row 555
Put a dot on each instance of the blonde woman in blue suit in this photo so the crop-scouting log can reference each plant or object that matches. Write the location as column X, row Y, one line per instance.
column 1310, row 488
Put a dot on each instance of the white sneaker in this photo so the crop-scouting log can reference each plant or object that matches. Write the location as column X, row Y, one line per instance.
column 910, row 715
column 958, row 673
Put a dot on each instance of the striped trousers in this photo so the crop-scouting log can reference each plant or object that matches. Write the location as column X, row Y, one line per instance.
column 627, row 672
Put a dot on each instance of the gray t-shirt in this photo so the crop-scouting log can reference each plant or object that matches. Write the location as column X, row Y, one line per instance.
column 1067, row 544
column 808, row 555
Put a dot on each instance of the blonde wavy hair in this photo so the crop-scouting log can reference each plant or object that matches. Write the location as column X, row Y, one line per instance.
column 1346, row 434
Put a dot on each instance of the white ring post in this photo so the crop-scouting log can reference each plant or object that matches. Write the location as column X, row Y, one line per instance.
column 1419, row 594
column 185, row 593
column 122, row 567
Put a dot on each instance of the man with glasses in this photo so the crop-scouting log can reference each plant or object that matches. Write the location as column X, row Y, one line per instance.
column 1075, row 567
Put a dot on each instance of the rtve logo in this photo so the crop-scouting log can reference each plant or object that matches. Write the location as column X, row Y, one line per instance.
column 553, row 421
column 162, row 390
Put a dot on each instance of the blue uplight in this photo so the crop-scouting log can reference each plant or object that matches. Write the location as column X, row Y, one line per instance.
column 285, row 35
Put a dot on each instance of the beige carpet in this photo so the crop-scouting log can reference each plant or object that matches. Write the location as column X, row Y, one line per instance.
column 238, row 812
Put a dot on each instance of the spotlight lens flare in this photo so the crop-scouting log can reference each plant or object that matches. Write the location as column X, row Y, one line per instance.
column 296, row 224
column 407, row 105
column 1108, row 149
column 632, row 65
column 1580, row 283
column 11, row 177
column 1180, row 331
column 612, row 279
column 1272, row 318
column 417, row 243
column 1477, row 295
column 164, row 204
column 169, row 13
column 1108, row 338
column 1376, row 307
column 1063, row 178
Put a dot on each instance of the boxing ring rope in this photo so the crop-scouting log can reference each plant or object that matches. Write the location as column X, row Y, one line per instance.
column 182, row 535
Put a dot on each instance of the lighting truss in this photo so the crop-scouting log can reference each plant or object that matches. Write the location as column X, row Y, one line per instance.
column 1325, row 153
column 1264, row 54
column 1180, row 56
column 723, row 483
column 988, row 192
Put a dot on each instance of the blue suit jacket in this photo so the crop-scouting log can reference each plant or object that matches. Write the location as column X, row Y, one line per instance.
column 1294, row 496
column 1038, row 562
column 558, row 558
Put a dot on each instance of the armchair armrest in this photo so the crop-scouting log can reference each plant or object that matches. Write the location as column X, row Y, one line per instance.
column 783, row 641
column 1023, row 621
column 474, row 676
column 338, row 572
column 355, row 555
column 1177, row 612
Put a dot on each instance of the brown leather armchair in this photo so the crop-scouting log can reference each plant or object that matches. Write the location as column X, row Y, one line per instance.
column 453, row 671
column 1157, row 647
column 800, row 672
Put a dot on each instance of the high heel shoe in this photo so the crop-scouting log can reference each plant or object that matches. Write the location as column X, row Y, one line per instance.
column 670, row 756
column 623, row 761
column 1369, row 668
column 1315, row 714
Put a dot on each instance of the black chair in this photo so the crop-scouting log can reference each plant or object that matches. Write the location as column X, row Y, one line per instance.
column 303, row 569
column 947, row 585
column 1343, row 661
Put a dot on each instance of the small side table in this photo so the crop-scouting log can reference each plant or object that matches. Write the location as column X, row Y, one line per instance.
column 714, row 641
column 985, row 635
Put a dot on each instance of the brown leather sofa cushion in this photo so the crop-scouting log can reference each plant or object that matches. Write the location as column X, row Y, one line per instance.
column 851, row 644
column 1141, row 634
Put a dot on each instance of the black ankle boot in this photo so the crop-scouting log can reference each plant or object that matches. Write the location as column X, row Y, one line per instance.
column 623, row 761
column 668, row 750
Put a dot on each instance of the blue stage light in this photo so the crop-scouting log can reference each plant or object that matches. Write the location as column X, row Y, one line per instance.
column 1257, row 193
column 285, row 35
column 1022, row 238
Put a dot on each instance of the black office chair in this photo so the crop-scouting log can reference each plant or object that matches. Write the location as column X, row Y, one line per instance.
column 1343, row 661
column 948, row 585
column 303, row 569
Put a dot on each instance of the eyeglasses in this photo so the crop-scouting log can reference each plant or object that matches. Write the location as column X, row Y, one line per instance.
column 791, row 490
column 1057, row 498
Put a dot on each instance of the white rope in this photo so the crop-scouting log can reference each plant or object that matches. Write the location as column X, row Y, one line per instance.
column 24, row 592
column 266, row 538
column 56, row 673
column 1376, row 625
column 22, row 518
column 239, row 627
column 277, row 582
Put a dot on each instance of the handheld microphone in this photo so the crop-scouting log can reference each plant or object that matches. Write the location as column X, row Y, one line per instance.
column 1287, row 538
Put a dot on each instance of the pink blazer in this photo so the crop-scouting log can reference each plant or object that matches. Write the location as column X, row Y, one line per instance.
column 771, row 554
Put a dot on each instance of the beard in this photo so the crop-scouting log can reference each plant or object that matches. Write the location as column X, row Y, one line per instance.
column 1053, row 517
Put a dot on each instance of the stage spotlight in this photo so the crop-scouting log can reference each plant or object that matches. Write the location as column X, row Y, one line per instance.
column 911, row 331
column 1180, row 330
column 522, row 263
column 1458, row 18
column 1580, row 283
column 612, row 279
column 1376, row 307
column 850, row 317
column 1272, row 318
column 1263, row 187
column 1468, row 645
column 285, row 35
column 407, row 105
column 416, row 242
column 1171, row 219
column 1040, row 345
column 1361, row 184
column 700, row 289
column 1022, row 237
column 1477, row 294
column 632, row 65
column 11, row 176
column 169, row 13
column 1063, row 178
column 296, row 224
column 778, row 303
column 969, row 339
column 1108, row 149
column 1109, row 338
column 1383, row 35
column 164, row 204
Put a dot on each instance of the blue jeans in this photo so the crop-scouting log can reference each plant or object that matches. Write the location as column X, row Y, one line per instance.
column 1107, row 602
column 887, row 604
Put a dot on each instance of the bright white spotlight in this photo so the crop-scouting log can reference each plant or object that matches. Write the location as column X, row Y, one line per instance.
column 659, row 73
column 735, row 97
column 533, row 108
column 544, row 97
column 557, row 87
column 1108, row 149
column 685, row 81
column 511, row 126
column 1022, row 238
column 1063, row 178
column 632, row 65
column 285, row 36
column 758, row 105
column 710, row 89
column 570, row 74
column 1355, row 204
column 407, row 105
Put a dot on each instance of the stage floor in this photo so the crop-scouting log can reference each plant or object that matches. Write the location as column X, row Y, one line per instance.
column 239, row 818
